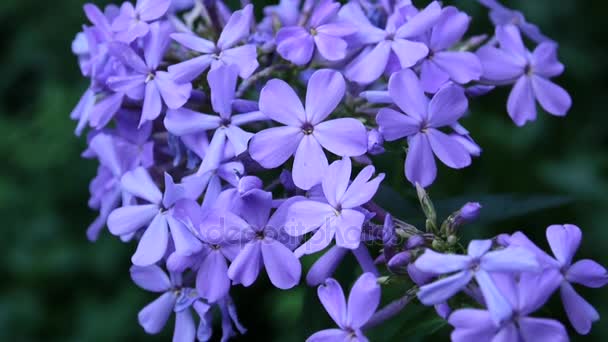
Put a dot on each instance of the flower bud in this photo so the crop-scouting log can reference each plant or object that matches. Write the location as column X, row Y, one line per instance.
column 398, row 263
column 375, row 142
column 468, row 213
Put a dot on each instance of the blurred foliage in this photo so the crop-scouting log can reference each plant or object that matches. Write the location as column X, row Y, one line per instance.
column 58, row 286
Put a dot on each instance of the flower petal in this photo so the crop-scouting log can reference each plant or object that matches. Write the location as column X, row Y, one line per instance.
column 128, row 219
column 330, row 47
column 521, row 104
column 447, row 106
column 332, row 297
column 363, row 300
column 463, row 67
column 441, row 290
column 309, row 164
column 153, row 243
column 273, row 146
column 295, row 44
column 564, row 240
column 344, row 137
column 369, row 65
column 587, row 272
column 438, row 263
column 448, row 149
column 139, row 183
column 282, row 266
column 306, row 216
column 409, row 52
column 324, row 92
column 420, row 164
column 580, row 313
column 407, row 93
column 348, row 226
column 280, row 102
column 542, row 330
column 336, row 180
column 246, row 266
column 510, row 259
column 212, row 282
column 395, row 125
column 151, row 278
column 553, row 98
column 154, row 316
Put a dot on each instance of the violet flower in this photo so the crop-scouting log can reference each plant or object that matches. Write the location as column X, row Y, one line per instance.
column 156, row 216
column 133, row 22
column 305, row 133
column 443, row 65
column 421, row 123
column 396, row 38
column 479, row 264
column 297, row 44
column 262, row 235
column 223, row 53
column 530, row 71
column 501, row 15
column 174, row 298
column 146, row 81
column 524, row 297
column 350, row 317
column 340, row 217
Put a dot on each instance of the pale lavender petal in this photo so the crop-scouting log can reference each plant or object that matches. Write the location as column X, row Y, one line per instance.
column 139, row 183
column 542, row 330
column 421, row 22
column 151, row 278
column 441, row 290
column 238, row 138
column 153, row 243
column 152, row 103
column 185, row 121
column 282, row 266
column 126, row 83
column 447, row 106
column 244, row 57
column 521, row 104
column 330, row 47
column 215, row 153
column 193, row 42
column 496, row 303
column 309, row 164
column 185, row 242
column 324, row 11
column 272, row 147
column 369, row 65
column 477, row 248
column 406, row 91
column 362, row 189
column 409, row 52
column 222, row 82
column 128, row 57
column 343, row 137
column 237, row 28
column 500, row 66
column 472, row 325
column 212, row 282
column 104, row 110
column 336, row 180
column 448, row 150
column 295, row 44
column 545, row 62
column 185, row 329
column 463, row 67
column 348, row 226
column 450, row 28
column 128, row 219
column 154, row 316
column 510, row 259
column 306, row 216
column 587, row 272
column 432, row 77
column 395, row 125
column 553, row 98
column 580, row 313
column 329, row 335
column 324, row 92
column 246, row 266
column 280, row 102
column 149, row 10
column 188, row 70
column 510, row 40
column 332, row 297
column 363, row 300
column 320, row 239
column 156, row 44
column 174, row 94
column 420, row 164
column 564, row 240
column 438, row 263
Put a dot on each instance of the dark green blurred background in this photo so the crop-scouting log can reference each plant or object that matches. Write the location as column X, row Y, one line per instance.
column 57, row 286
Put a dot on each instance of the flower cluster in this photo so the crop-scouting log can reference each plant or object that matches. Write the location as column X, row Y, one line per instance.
column 194, row 113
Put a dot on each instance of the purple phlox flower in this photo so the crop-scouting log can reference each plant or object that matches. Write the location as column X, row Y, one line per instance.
column 226, row 126
column 350, row 317
column 106, row 191
column 525, row 298
column 286, row 12
column 245, row 197
column 146, row 81
column 156, row 216
column 83, row 109
column 564, row 241
column 174, row 298
column 339, row 217
column 421, row 123
column 395, row 39
column 305, row 133
column 479, row 263
column 133, row 22
column 223, row 53
column 530, row 71
column 323, row 31
column 501, row 15
column 443, row 65
column 262, row 235
column 211, row 265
